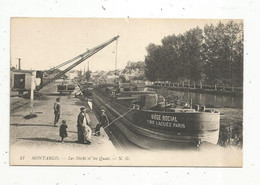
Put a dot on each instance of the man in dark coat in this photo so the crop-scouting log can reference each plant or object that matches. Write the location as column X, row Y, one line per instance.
column 79, row 125
column 56, row 108
column 103, row 121
column 82, row 124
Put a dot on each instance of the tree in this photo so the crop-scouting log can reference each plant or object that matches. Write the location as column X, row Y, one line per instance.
column 151, row 62
column 192, row 55
column 122, row 79
column 214, row 55
column 172, row 52
column 223, row 48
column 178, row 58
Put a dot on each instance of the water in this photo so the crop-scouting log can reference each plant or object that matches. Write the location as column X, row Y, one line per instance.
column 209, row 100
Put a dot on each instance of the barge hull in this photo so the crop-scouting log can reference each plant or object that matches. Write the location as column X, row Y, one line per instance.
column 199, row 127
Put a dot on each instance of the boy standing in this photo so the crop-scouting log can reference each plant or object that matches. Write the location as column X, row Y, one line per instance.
column 63, row 130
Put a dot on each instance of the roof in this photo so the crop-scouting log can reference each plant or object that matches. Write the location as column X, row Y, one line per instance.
column 24, row 71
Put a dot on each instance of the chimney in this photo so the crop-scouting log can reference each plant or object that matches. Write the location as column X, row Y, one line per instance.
column 19, row 63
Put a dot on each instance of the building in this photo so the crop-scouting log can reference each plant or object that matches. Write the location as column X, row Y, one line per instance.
column 21, row 80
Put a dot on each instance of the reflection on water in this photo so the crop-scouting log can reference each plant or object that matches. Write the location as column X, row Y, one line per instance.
column 209, row 100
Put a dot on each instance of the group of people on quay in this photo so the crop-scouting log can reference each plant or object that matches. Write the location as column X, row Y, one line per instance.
column 83, row 124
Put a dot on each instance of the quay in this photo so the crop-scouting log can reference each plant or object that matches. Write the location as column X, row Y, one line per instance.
column 36, row 141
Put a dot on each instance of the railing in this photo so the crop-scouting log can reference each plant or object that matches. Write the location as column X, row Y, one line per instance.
column 197, row 86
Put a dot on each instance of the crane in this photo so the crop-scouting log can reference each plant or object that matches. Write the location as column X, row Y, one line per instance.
column 80, row 58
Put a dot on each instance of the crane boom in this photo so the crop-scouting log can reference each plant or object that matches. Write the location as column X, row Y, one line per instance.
column 67, row 62
column 86, row 55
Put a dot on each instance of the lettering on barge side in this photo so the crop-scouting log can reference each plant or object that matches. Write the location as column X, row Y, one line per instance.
column 164, row 121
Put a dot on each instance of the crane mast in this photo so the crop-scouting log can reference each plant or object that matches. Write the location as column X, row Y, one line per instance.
column 82, row 57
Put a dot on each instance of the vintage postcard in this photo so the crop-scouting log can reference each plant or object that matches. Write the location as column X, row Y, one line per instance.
column 126, row 92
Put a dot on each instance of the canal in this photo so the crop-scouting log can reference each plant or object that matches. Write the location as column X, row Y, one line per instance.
column 208, row 100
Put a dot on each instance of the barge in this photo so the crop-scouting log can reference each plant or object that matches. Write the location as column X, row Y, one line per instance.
column 149, row 120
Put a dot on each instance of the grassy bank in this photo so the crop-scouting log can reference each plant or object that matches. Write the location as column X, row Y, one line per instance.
column 231, row 127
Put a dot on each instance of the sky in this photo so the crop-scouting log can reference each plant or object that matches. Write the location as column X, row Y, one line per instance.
column 42, row 43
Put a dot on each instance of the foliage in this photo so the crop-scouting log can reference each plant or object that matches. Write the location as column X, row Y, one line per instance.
column 223, row 51
column 122, row 79
column 140, row 65
column 213, row 54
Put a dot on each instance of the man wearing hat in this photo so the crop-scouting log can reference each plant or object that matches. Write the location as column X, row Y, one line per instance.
column 103, row 121
column 56, row 108
column 83, row 127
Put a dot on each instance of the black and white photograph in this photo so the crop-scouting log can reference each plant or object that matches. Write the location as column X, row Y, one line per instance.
column 126, row 92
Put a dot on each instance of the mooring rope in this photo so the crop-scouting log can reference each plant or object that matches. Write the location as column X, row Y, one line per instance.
column 122, row 115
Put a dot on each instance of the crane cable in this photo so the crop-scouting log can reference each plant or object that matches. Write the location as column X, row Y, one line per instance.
column 116, row 57
column 82, row 55
column 122, row 115
column 89, row 54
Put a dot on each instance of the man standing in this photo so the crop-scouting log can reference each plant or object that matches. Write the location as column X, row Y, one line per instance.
column 103, row 121
column 56, row 108
column 84, row 131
